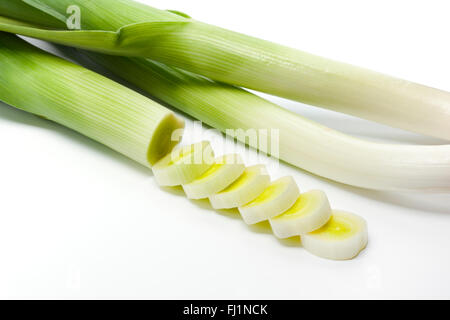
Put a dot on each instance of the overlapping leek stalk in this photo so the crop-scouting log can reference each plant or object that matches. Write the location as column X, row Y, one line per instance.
column 124, row 27
column 45, row 85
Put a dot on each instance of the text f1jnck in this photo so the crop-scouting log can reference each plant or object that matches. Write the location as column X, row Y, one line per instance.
column 229, row 310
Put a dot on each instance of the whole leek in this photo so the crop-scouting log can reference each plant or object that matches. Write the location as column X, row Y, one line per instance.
column 124, row 27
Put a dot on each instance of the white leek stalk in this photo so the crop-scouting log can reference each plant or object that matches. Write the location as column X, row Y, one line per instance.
column 58, row 90
column 342, row 238
column 127, row 28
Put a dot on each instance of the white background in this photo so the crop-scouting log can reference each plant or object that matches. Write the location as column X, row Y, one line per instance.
column 78, row 220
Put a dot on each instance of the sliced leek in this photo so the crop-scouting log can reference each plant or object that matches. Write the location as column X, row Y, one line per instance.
column 342, row 238
column 224, row 172
column 184, row 164
column 58, row 90
column 310, row 212
column 127, row 28
column 42, row 84
column 245, row 189
column 276, row 199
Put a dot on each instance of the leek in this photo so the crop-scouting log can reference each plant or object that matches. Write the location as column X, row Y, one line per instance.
column 50, row 87
column 302, row 143
column 276, row 199
column 337, row 236
column 184, row 164
column 245, row 189
column 224, row 172
column 342, row 238
column 53, row 88
column 311, row 212
column 124, row 27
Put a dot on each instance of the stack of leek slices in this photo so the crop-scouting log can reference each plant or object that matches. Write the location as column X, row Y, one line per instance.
column 228, row 183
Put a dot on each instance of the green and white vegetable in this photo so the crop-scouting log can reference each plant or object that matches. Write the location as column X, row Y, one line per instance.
column 302, row 142
column 50, row 87
column 311, row 212
column 184, row 164
column 342, row 238
column 276, row 199
column 127, row 28
column 339, row 236
column 58, row 90
column 245, row 189
column 224, row 172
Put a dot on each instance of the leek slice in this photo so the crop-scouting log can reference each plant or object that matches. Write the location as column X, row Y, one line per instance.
column 342, row 238
column 127, row 28
column 43, row 84
column 245, row 189
column 224, row 172
column 276, row 199
column 184, row 164
column 310, row 212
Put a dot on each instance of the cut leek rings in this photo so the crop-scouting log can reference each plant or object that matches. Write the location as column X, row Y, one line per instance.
column 334, row 235
column 310, row 212
column 342, row 238
column 274, row 200
column 245, row 189
column 184, row 164
column 223, row 172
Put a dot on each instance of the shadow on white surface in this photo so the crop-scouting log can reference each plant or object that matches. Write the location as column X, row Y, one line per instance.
column 427, row 203
column 262, row 228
